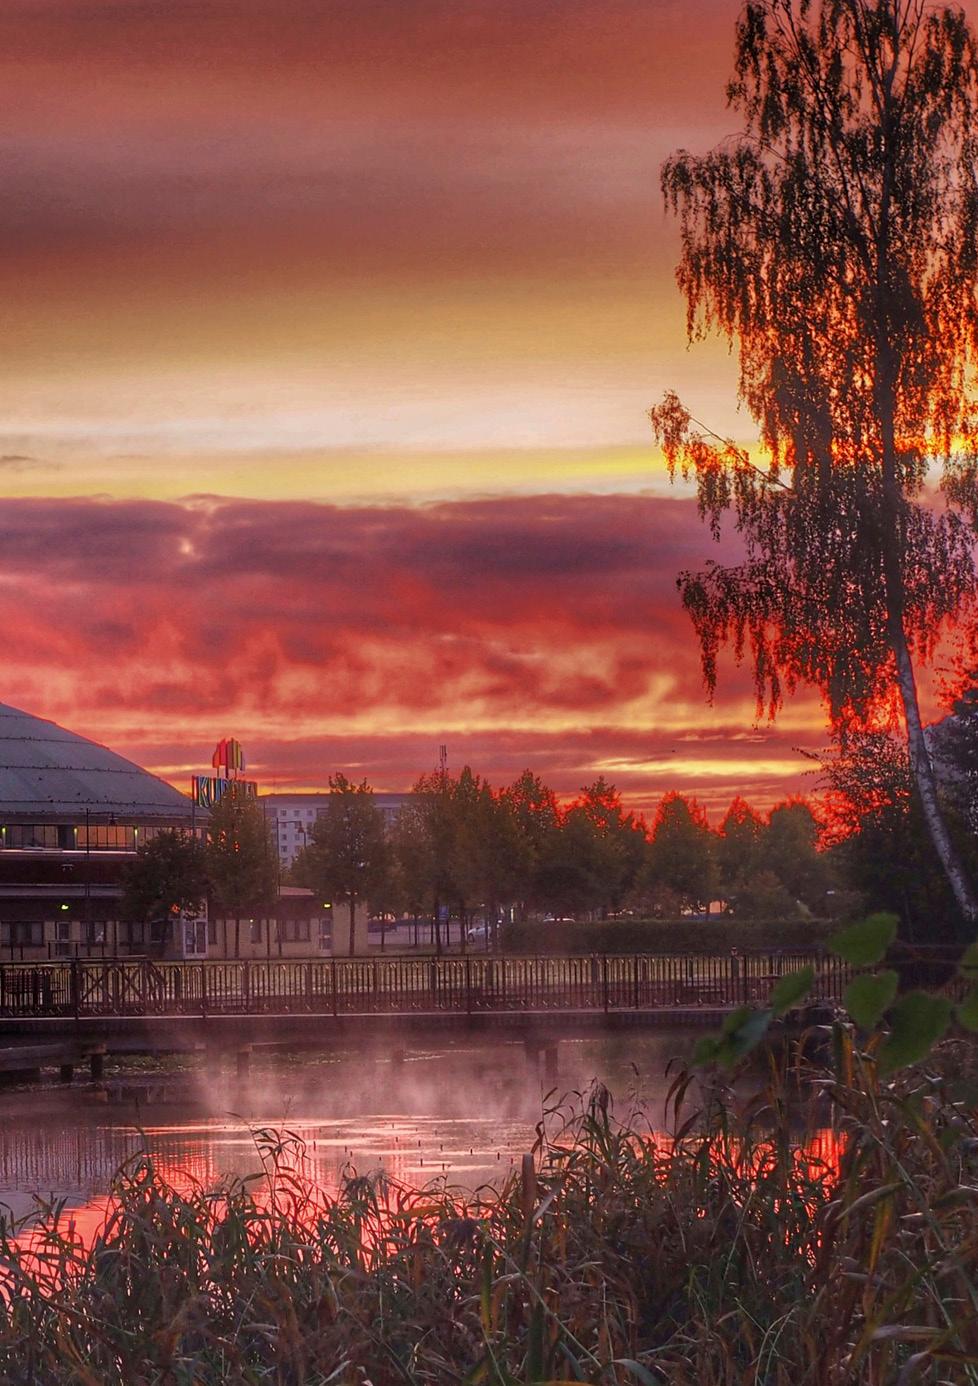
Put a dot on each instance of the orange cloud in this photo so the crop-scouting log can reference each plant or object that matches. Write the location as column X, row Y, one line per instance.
column 543, row 630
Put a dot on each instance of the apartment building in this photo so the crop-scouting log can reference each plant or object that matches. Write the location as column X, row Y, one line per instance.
column 292, row 817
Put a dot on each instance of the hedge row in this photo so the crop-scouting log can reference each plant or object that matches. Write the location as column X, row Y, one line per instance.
column 665, row 935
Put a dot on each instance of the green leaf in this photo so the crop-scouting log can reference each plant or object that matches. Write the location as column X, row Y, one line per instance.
column 865, row 943
column 743, row 1031
column 790, row 989
column 967, row 1011
column 707, row 1051
column 918, row 1020
column 968, row 966
column 867, row 996
column 735, row 1019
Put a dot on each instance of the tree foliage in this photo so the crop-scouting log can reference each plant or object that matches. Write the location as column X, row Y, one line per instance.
column 682, row 855
column 348, row 856
column 241, row 860
column 739, row 850
column 835, row 243
column 167, row 876
column 880, row 846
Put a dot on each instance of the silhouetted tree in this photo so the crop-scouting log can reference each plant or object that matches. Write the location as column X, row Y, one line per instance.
column 739, row 851
column 535, row 815
column 572, row 865
column 955, row 744
column 349, row 854
column 621, row 842
column 791, row 853
column 881, row 848
column 410, row 846
column 835, row 243
column 167, row 877
column 681, row 856
column 241, row 860
column 433, row 810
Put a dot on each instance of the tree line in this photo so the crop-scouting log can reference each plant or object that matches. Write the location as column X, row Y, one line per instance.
column 461, row 849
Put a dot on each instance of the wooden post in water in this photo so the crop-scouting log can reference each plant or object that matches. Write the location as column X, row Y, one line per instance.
column 551, row 1064
column 75, row 988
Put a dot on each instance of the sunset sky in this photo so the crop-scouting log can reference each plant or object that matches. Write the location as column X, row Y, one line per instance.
column 330, row 328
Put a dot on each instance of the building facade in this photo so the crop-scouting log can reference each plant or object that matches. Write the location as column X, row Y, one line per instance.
column 292, row 817
column 72, row 814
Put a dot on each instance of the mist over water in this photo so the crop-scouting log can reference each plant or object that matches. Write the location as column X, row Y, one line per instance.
column 463, row 1112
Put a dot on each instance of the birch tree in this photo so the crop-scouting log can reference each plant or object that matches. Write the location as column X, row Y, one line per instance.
column 834, row 244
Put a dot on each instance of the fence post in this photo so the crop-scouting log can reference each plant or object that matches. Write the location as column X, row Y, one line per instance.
column 468, row 985
column 246, row 986
column 604, row 980
column 75, row 989
column 635, row 963
column 332, row 978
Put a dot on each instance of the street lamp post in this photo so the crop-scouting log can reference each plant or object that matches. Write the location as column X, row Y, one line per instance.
column 88, row 878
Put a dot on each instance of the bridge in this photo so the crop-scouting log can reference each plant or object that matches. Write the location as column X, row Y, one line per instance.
column 143, row 1005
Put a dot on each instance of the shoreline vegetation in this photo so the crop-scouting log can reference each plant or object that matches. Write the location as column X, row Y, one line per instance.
column 807, row 1225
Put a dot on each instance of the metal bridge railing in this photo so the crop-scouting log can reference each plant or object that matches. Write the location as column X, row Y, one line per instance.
column 401, row 985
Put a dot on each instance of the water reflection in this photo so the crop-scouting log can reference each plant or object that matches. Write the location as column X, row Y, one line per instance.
column 464, row 1113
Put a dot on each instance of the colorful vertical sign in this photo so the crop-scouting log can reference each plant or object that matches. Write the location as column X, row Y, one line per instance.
column 208, row 790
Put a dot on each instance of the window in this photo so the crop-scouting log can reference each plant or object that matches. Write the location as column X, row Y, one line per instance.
column 95, row 932
column 106, row 836
column 325, row 935
column 30, row 835
column 256, row 930
column 212, row 932
column 62, row 937
column 294, row 930
column 22, row 933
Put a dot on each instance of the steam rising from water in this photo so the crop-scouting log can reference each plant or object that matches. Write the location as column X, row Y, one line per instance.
column 464, row 1113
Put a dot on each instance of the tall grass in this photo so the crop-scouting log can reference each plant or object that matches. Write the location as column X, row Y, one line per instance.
column 771, row 1239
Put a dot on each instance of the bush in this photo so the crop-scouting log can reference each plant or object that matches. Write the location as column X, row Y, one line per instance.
column 683, row 935
column 770, row 1242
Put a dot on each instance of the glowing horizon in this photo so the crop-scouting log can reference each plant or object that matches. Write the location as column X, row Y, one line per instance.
column 330, row 337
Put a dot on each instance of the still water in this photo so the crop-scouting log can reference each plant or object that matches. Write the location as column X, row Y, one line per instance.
column 463, row 1113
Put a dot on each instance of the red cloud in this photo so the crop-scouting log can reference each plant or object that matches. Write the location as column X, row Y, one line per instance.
column 544, row 629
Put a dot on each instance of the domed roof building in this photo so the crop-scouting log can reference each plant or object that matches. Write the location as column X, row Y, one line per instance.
column 72, row 814
column 50, row 773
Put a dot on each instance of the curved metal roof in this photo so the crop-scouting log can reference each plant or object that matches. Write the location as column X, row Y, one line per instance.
column 49, row 772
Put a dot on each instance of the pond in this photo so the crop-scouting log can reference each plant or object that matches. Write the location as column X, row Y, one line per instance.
column 464, row 1112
